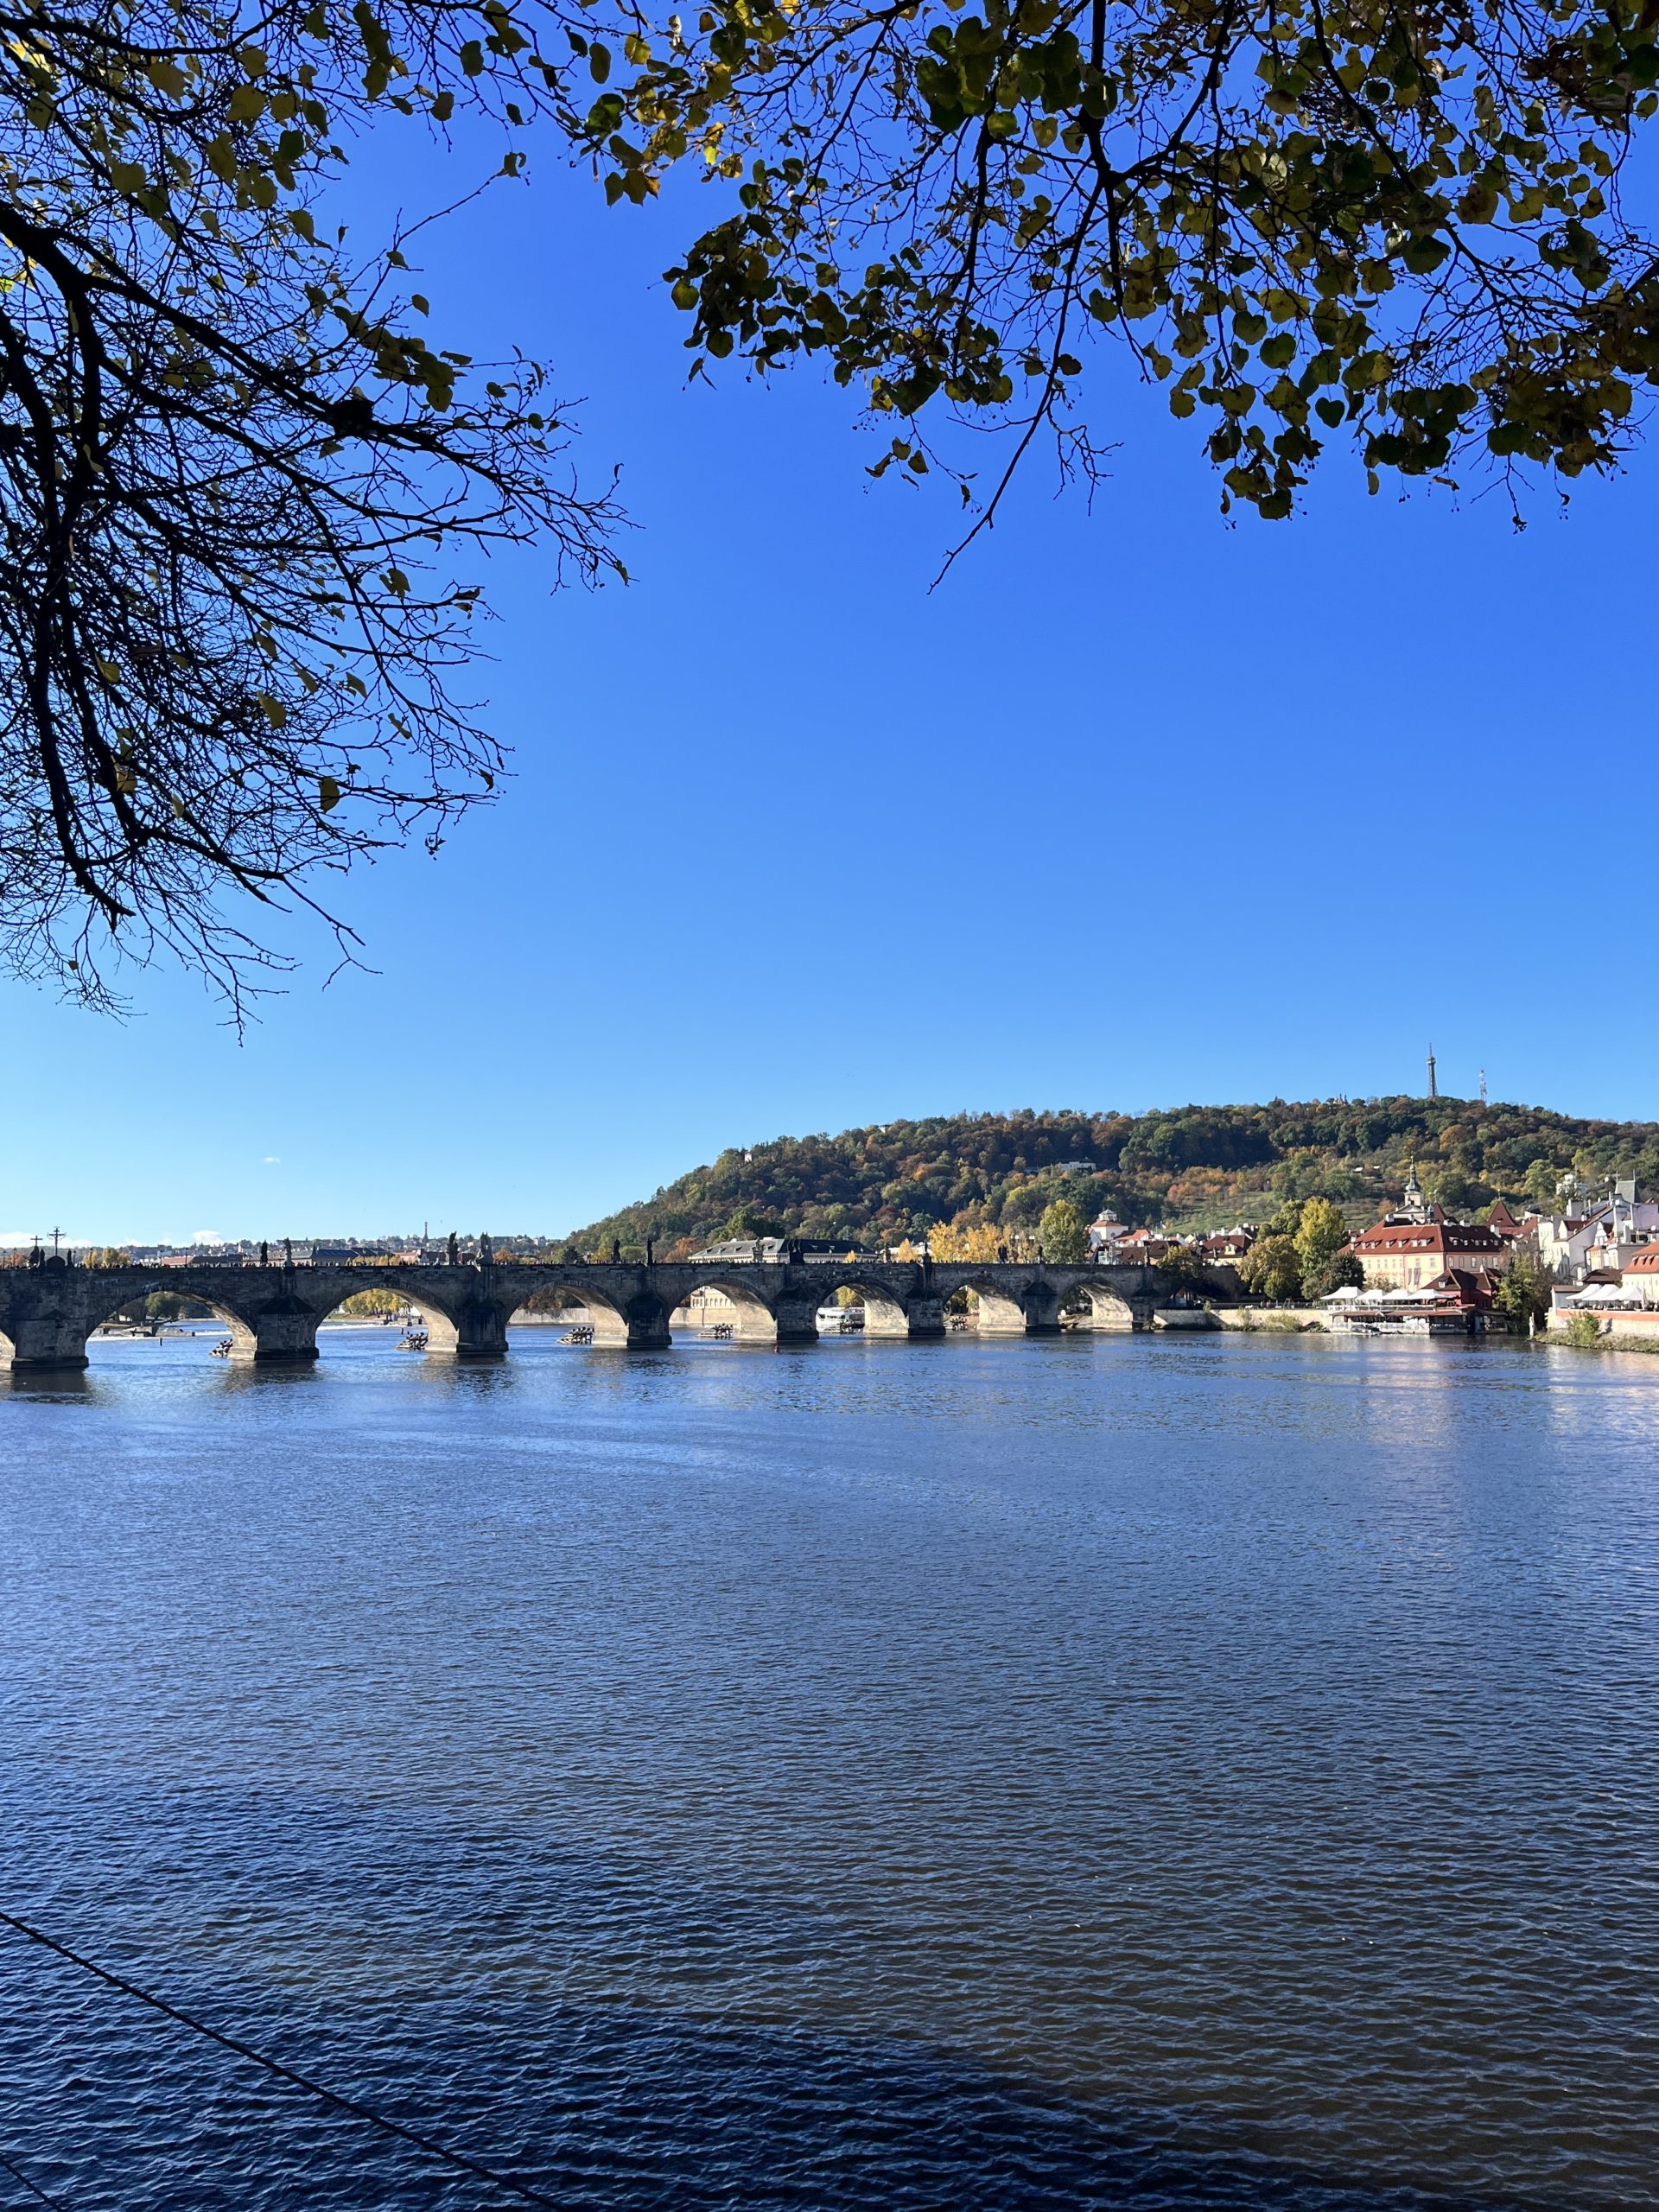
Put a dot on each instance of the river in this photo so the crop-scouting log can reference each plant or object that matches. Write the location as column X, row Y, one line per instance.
column 1123, row 1772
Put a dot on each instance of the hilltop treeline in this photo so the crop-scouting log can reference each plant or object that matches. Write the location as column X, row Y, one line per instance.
column 1198, row 1167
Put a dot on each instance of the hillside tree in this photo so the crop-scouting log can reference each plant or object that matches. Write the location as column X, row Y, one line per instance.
column 1321, row 1239
column 1062, row 1233
column 1272, row 1269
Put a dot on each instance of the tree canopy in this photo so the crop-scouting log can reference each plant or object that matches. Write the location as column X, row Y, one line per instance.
column 1404, row 227
column 1063, row 1231
column 242, row 489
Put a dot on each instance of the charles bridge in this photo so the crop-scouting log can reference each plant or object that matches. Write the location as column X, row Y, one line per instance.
column 272, row 1311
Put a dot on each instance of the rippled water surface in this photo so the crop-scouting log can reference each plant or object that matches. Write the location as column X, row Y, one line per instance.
column 1128, row 1771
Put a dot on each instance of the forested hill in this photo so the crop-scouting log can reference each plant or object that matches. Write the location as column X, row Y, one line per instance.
column 1201, row 1166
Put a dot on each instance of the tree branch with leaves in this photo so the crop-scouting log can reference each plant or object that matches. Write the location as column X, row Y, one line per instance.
column 240, row 492
column 1395, row 224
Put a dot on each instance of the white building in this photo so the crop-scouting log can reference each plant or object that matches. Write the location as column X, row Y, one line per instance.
column 1106, row 1230
column 1604, row 1236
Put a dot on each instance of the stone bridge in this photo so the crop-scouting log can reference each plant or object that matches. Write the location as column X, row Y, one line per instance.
column 48, row 1312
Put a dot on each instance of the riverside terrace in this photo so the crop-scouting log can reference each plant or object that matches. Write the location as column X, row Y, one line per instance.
column 48, row 1311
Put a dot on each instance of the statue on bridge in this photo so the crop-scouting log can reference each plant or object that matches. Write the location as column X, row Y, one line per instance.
column 452, row 1251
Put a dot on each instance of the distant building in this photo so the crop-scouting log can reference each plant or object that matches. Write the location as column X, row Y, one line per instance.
column 746, row 1251
column 1415, row 1245
column 1227, row 1247
column 1413, row 1206
column 1106, row 1230
column 1593, row 1238
column 1141, row 1245
column 769, row 1251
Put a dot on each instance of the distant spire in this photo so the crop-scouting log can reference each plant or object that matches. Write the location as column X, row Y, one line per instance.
column 1433, row 1088
column 1482, row 1086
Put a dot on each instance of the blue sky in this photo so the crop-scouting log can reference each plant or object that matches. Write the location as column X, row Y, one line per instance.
column 1136, row 808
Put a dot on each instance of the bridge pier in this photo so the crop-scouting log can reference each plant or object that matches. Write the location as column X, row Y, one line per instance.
column 647, row 1328
column 925, row 1318
column 280, row 1334
column 481, row 1332
column 51, row 1342
column 797, row 1320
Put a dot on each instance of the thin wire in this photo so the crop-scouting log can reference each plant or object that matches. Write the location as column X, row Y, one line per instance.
column 283, row 2073
column 33, row 2187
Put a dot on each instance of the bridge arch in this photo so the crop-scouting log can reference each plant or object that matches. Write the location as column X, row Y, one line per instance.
column 1002, row 1311
column 608, row 1321
column 1098, row 1306
column 235, row 1318
column 754, row 1319
column 885, row 1313
column 441, row 1333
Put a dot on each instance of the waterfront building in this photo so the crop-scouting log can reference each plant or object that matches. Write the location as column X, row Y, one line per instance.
column 705, row 1309
column 1415, row 1245
column 1457, row 1303
column 1576, row 1244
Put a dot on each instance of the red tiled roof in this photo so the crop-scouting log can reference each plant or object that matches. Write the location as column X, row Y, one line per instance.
column 1473, row 1285
column 1444, row 1236
column 1646, row 1262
